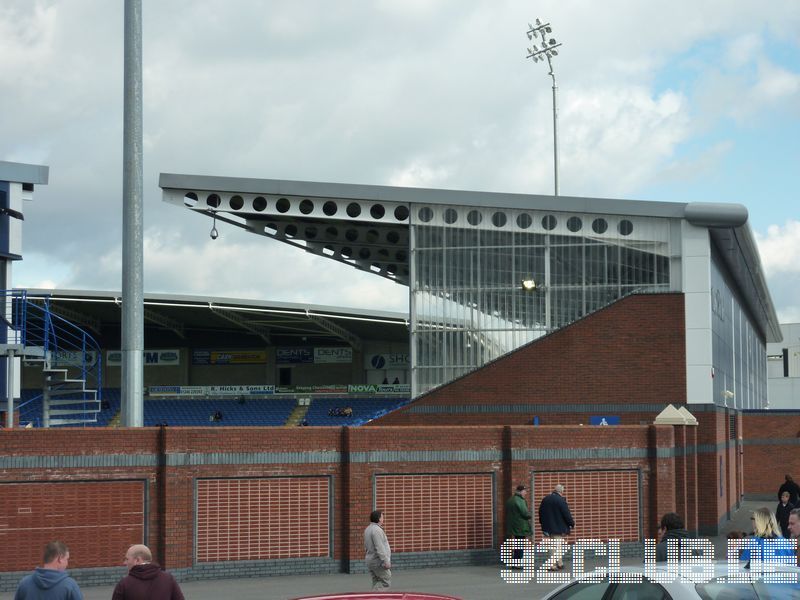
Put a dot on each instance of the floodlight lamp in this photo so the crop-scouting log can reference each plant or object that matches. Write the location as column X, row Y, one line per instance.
column 552, row 41
column 530, row 35
column 555, row 52
column 548, row 29
column 538, row 21
column 528, row 285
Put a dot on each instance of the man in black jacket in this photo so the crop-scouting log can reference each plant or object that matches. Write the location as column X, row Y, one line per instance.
column 556, row 521
column 671, row 528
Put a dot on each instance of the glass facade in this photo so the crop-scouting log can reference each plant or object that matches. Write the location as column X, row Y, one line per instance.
column 467, row 303
column 739, row 356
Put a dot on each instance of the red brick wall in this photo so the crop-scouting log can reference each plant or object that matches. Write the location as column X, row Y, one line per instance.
column 472, row 481
column 97, row 521
column 771, row 451
column 632, row 352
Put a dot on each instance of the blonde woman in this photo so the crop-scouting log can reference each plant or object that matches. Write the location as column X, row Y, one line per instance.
column 765, row 527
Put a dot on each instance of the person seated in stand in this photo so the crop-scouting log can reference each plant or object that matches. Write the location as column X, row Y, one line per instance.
column 347, row 412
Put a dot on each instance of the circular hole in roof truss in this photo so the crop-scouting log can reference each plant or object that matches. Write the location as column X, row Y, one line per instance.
column 450, row 216
column 393, row 237
column 190, row 200
column 372, row 236
column 574, row 224
column 524, row 221
column 499, row 219
column 236, row 202
column 331, row 233
column 330, row 208
column 290, row 231
column 625, row 227
column 351, row 235
column 283, row 205
column 401, row 213
column 364, row 254
column 310, row 233
column 306, row 207
column 353, row 209
column 549, row 222
column 346, row 252
column 425, row 214
column 474, row 218
column 213, row 200
column 259, row 203
column 599, row 225
column 377, row 211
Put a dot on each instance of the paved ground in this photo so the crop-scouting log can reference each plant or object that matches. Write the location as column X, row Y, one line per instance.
column 470, row 583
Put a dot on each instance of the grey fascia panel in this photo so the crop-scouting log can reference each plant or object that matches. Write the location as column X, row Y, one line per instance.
column 203, row 301
column 348, row 191
column 24, row 173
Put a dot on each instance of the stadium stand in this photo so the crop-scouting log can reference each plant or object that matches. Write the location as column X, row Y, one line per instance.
column 233, row 413
column 364, row 410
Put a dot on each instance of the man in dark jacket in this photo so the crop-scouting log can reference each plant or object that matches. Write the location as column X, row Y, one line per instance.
column 50, row 581
column 518, row 519
column 789, row 486
column 671, row 528
column 145, row 579
column 556, row 522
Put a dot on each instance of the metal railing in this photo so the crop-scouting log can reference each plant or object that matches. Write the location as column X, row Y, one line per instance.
column 44, row 337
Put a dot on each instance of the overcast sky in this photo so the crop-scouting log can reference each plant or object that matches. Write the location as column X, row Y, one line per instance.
column 686, row 100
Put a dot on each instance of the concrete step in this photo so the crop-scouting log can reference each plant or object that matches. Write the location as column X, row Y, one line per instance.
column 72, row 411
column 71, row 421
column 74, row 401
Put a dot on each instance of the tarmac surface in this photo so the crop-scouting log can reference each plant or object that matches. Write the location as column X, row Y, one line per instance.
column 469, row 583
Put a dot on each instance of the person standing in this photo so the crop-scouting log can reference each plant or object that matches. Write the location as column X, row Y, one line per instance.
column 670, row 528
column 556, row 522
column 145, row 579
column 518, row 519
column 794, row 529
column 782, row 513
column 790, row 486
column 50, row 581
column 378, row 553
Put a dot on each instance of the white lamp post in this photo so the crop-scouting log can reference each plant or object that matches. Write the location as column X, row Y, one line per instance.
column 547, row 52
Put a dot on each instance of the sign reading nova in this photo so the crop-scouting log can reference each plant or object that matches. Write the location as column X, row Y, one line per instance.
column 152, row 358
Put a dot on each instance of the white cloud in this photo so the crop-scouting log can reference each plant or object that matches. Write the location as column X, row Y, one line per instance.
column 779, row 249
column 427, row 93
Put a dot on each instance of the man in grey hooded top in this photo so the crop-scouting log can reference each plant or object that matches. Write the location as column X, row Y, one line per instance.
column 50, row 581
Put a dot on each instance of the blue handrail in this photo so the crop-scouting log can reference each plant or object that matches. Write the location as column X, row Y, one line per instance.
column 34, row 325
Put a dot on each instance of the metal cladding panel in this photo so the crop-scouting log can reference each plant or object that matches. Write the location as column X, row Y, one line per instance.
column 617, row 519
column 263, row 518
column 421, row 515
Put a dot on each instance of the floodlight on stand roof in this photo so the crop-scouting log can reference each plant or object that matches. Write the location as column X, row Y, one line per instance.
column 528, row 285
column 547, row 51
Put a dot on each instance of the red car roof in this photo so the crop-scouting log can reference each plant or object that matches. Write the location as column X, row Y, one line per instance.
column 380, row 596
